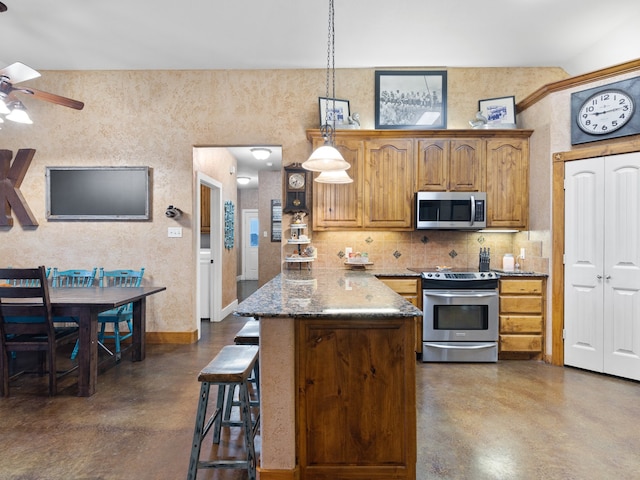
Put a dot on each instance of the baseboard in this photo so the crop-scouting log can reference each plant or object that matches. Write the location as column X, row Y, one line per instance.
column 267, row 474
column 228, row 310
column 178, row 338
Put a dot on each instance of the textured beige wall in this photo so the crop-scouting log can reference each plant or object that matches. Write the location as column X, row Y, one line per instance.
column 270, row 188
column 155, row 118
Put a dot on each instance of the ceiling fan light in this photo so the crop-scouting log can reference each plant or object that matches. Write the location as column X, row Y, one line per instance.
column 243, row 180
column 334, row 176
column 324, row 159
column 3, row 108
column 19, row 114
column 260, row 153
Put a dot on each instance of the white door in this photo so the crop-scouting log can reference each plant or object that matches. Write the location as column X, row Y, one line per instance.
column 602, row 265
column 250, row 239
column 584, row 249
column 622, row 266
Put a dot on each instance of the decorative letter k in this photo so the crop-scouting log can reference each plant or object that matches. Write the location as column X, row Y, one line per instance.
column 11, row 177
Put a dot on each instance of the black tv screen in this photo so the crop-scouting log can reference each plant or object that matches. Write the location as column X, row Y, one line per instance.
column 97, row 193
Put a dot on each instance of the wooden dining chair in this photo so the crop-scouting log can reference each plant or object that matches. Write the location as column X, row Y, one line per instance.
column 26, row 323
column 120, row 315
column 75, row 278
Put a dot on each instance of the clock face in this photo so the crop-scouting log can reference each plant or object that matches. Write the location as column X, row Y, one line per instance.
column 605, row 112
column 296, row 180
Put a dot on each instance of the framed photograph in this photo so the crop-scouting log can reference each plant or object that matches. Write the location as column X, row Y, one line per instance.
column 333, row 110
column 276, row 220
column 499, row 112
column 411, row 99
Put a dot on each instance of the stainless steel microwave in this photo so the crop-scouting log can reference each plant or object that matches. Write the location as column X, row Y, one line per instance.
column 451, row 210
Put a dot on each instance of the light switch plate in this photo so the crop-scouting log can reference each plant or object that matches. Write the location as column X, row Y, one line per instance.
column 174, row 232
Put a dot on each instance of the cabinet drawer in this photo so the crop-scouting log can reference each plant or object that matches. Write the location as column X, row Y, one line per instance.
column 520, row 343
column 521, row 286
column 521, row 324
column 402, row 285
column 522, row 304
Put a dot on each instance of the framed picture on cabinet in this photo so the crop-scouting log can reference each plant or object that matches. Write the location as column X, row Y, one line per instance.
column 411, row 99
column 500, row 112
column 333, row 110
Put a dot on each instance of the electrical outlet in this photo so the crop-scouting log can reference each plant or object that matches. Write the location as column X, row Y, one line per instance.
column 174, row 232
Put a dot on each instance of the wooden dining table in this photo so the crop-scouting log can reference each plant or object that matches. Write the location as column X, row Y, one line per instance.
column 85, row 304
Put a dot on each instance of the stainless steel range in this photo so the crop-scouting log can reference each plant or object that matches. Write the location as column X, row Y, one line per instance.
column 460, row 316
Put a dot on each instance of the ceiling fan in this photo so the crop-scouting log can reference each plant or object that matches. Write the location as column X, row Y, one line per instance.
column 19, row 72
column 3, row 7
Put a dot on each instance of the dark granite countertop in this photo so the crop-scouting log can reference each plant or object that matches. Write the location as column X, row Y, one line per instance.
column 327, row 294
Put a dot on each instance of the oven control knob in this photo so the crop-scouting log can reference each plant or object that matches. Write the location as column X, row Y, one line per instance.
column 437, row 275
column 482, row 275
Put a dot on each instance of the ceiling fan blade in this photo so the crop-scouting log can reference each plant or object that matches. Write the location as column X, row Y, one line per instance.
column 18, row 72
column 3, row 7
column 53, row 98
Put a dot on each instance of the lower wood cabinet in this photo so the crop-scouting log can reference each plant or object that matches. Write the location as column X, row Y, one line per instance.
column 411, row 289
column 522, row 307
column 356, row 399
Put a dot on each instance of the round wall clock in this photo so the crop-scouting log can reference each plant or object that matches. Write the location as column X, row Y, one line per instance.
column 605, row 112
column 609, row 111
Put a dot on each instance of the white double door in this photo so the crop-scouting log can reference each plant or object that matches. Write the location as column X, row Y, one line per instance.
column 602, row 265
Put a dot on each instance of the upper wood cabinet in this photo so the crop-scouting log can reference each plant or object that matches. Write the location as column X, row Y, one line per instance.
column 389, row 166
column 456, row 165
column 388, row 181
column 339, row 206
column 508, row 183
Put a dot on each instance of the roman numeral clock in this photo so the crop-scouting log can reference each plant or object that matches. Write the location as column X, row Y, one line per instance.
column 608, row 111
column 295, row 189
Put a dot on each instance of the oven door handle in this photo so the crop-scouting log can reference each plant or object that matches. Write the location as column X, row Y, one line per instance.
column 460, row 347
column 462, row 294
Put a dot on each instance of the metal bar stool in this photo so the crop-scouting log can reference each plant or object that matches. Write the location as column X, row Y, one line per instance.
column 249, row 334
column 231, row 368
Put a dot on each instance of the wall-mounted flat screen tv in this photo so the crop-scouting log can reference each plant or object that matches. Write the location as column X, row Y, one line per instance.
column 97, row 193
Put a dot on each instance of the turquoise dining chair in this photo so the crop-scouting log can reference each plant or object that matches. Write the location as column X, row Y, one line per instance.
column 76, row 278
column 122, row 314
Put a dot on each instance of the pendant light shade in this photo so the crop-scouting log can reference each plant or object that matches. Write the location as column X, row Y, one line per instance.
column 325, row 159
column 335, row 176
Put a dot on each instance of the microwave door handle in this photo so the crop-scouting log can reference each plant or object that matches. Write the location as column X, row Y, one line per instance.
column 473, row 209
column 489, row 293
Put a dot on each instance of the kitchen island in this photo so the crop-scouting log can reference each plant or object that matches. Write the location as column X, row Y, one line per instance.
column 337, row 369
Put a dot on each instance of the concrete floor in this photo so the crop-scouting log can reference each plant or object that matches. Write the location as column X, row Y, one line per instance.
column 510, row 420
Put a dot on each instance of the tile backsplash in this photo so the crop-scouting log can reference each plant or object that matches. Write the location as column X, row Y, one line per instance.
column 428, row 248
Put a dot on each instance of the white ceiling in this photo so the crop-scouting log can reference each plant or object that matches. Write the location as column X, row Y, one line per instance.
column 578, row 35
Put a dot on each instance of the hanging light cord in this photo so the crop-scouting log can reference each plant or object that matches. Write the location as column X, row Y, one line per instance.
column 331, row 78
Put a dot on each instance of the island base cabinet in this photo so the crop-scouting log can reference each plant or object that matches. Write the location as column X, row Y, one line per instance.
column 356, row 406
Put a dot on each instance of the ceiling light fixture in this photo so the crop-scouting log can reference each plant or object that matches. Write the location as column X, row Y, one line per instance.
column 18, row 113
column 261, row 153
column 327, row 157
column 3, row 108
column 334, row 176
column 243, row 180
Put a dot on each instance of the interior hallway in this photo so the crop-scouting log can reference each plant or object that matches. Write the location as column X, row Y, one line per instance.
column 511, row 420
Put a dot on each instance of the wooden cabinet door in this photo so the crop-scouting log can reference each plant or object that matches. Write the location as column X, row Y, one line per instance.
column 508, row 183
column 466, row 165
column 205, row 209
column 388, row 184
column 433, row 165
column 451, row 165
column 340, row 205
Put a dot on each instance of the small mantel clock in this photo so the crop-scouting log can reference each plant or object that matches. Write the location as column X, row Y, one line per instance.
column 295, row 187
column 609, row 111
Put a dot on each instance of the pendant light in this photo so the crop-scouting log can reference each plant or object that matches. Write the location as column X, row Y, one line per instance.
column 327, row 158
column 334, row 176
